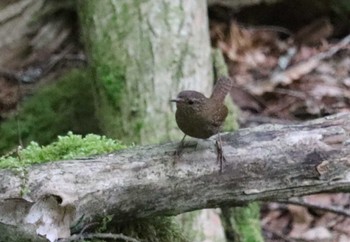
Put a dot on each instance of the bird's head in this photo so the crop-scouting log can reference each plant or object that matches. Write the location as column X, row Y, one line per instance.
column 190, row 100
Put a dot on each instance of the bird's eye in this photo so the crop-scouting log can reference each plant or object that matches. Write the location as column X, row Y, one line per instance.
column 190, row 102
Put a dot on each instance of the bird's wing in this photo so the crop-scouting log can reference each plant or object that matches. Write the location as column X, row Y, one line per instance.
column 219, row 116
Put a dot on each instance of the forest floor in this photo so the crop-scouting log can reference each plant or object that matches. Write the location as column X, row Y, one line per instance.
column 279, row 77
column 301, row 76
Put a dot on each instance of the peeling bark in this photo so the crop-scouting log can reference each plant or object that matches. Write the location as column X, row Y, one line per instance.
column 269, row 162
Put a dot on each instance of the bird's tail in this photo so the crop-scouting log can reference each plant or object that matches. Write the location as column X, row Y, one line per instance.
column 221, row 89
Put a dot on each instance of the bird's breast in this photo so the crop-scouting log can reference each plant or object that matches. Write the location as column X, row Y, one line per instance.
column 203, row 124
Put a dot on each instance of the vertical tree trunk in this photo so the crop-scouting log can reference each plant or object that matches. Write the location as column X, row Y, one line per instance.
column 143, row 53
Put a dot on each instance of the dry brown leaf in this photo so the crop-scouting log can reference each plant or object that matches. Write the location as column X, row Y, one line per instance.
column 317, row 234
column 301, row 220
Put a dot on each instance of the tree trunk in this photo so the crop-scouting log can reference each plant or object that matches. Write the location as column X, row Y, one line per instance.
column 269, row 162
column 142, row 54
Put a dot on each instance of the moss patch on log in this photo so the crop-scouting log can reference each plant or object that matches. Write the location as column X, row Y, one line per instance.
column 66, row 147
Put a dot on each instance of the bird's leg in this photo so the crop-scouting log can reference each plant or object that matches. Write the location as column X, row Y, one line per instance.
column 182, row 142
column 220, row 157
column 180, row 147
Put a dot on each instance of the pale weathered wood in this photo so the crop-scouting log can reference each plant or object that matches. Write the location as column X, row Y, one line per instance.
column 268, row 162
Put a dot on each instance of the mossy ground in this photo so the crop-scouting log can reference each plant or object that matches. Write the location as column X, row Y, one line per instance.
column 54, row 110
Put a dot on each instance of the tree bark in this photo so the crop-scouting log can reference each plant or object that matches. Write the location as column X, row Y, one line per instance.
column 268, row 162
column 142, row 54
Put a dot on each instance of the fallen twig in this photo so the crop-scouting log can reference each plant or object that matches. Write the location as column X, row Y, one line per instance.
column 78, row 237
column 294, row 72
column 331, row 209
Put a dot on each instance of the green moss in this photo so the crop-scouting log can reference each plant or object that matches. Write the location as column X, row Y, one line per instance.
column 103, row 225
column 156, row 229
column 54, row 110
column 112, row 65
column 112, row 80
column 108, row 57
column 242, row 223
column 247, row 220
column 66, row 147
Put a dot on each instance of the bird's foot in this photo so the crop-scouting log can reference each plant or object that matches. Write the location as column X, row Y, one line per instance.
column 181, row 147
column 220, row 157
column 179, row 150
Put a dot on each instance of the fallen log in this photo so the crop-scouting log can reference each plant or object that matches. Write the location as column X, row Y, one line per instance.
column 268, row 162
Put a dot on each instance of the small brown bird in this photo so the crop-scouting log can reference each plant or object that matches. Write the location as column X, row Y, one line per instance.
column 201, row 117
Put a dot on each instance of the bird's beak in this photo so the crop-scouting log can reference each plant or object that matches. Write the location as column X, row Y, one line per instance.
column 176, row 100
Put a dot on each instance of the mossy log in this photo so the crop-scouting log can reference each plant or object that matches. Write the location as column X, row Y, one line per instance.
column 268, row 162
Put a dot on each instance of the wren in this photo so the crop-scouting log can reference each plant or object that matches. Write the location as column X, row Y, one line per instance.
column 201, row 117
